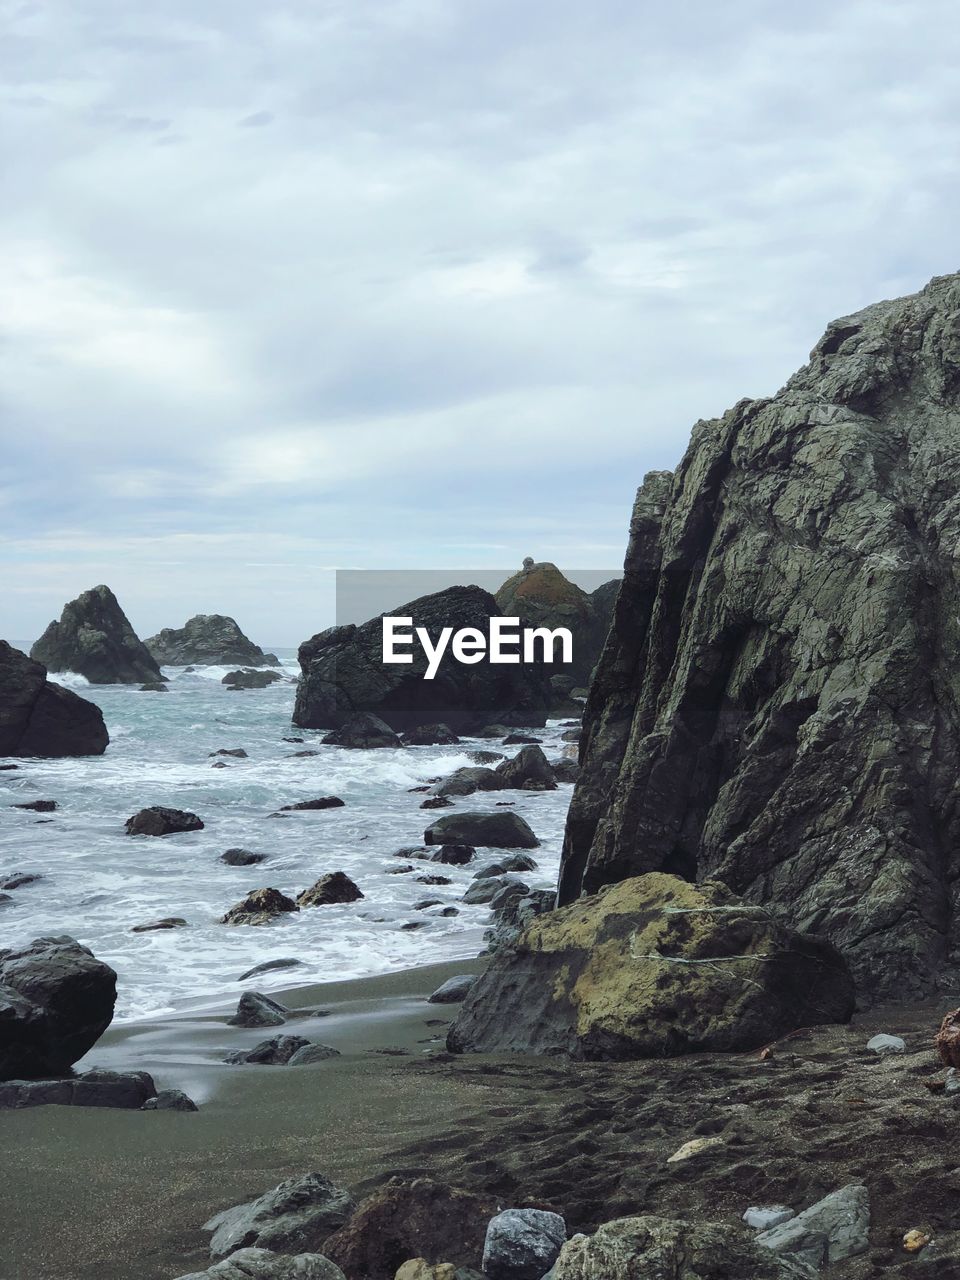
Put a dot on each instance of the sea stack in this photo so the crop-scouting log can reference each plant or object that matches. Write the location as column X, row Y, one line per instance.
column 778, row 704
column 208, row 639
column 95, row 639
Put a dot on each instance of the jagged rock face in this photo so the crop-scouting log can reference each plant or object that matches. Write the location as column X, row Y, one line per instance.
column 343, row 674
column 40, row 718
column 95, row 639
column 208, row 639
column 778, row 702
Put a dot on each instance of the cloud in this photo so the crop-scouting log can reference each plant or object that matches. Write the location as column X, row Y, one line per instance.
column 382, row 282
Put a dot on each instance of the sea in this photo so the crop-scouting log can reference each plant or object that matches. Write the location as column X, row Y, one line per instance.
column 96, row 883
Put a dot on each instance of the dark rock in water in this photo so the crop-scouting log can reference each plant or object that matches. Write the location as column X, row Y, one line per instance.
column 297, row 1215
column 570, row 735
column 160, row 821
column 566, row 770
column 5, row 899
column 271, row 966
column 292, row 739
column 411, row 926
column 250, row 679
column 486, row 757
column 492, row 731
column 436, row 802
column 653, row 967
column 537, row 784
column 334, row 887
column 522, row 1244
column 528, row 765
column 170, row 1100
column 41, row 718
column 464, row 782
column 403, row 1220
column 311, row 1053
column 154, row 686
column 430, row 735
column 453, row 990
column 628, row 1248
column 237, row 752
column 56, row 1001
column 256, row 1010
column 208, row 639
column 260, row 907
column 19, row 880
column 38, row 806
column 494, row 830
column 432, row 879
column 777, row 706
column 449, row 912
column 504, row 866
column 152, row 926
column 302, row 755
column 275, row 1052
column 219, row 764
column 128, row 1090
column 364, row 732
column 343, row 673
column 426, row 903
column 454, row 855
column 95, row 639
column 486, row 890
column 323, row 802
column 241, row 858
column 264, row 1264
column 520, row 740
column 7, row 768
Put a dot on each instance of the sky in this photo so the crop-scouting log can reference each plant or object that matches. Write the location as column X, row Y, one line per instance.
column 416, row 284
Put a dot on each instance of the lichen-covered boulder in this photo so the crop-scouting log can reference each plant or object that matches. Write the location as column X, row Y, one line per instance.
column 39, row 717
column 94, row 638
column 652, row 966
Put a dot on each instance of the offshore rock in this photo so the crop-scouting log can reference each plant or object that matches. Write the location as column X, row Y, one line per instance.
column 39, row 717
column 208, row 639
column 652, row 967
column 778, row 701
column 95, row 639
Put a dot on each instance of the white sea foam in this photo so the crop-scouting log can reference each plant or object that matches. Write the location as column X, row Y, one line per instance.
column 69, row 679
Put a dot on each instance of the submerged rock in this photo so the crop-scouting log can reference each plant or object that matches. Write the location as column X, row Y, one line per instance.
column 155, row 926
column 161, row 821
column 95, row 639
column 363, row 732
column 56, row 1001
column 207, row 639
column 39, row 717
column 259, row 907
column 241, row 858
column 777, row 705
column 494, row 830
column 250, row 679
column 297, row 1215
column 652, row 967
column 334, row 887
column 322, row 802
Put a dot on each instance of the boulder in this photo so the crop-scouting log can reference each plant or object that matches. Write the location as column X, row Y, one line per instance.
column 486, row 757
column 207, row 639
column 664, row 1249
column 19, row 880
column 154, row 686
column 38, row 806
column 834, row 1228
column 261, row 906
column 256, row 1010
column 493, row 830
column 565, row 770
column 364, row 732
column 95, row 639
column 156, row 926
column 322, row 802
column 170, row 1100
column 522, row 1244
column 126, row 1090
column 453, row 990
column 56, row 1001
column 777, row 705
column 41, row 718
column 295, row 1216
column 515, row 862
column 652, row 967
column 275, row 1052
column 528, row 765
column 492, row 731
column 237, row 752
column 161, row 821
column 251, row 679
column 343, row 673
column 454, row 855
column 482, row 891
column 334, row 887
column 241, row 857
column 308, row 1054
column 430, row 735
column 264, row 1264
column 437, row 802
column 404, row 1220
column 463, row 782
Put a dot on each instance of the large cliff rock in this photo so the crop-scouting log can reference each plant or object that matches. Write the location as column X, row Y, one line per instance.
column 343, row 674
column 40, row 718
column 208, row 639
column 95, row 639
column 778, row 701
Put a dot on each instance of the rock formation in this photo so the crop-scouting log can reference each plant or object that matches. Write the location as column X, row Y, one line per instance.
column 95, row 639
column 778, row 701
column 41, row 718
column 208, row 639
column 344, row 673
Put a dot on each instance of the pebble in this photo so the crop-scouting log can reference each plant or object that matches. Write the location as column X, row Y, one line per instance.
column 768, row 1216
column 693, row 1148
column 887, row 1044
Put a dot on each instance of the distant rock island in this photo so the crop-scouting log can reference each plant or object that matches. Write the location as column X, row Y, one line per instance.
column 208, row 639
column 40, row 718
column 95, row 639
column 778, row 704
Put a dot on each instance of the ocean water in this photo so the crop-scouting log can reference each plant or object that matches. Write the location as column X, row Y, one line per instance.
column 97, row 882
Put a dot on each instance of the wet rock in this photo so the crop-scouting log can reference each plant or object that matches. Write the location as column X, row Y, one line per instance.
column 241, row 858
column 334, row 887
column 432, row 879
column 492, row 731
column 256, row 1010
column 264, row 1264
column 271, row 966
column 237, row 752
column 437, row 802
column 311, row 1053
column 834, row 1228
column 8, row 768
column 158, row 820
column 522, row 1244
column 448, row 912
column 296, row 1215
column 520, row 740
column 495, row 830
column 19, row 880
column 515, row 862
column 322, row 802
column 154, row 686
column 454, row 855
column 126, row 1090
column 95, row 639
column 170, row 1100
column 430, row 735
column 38, row 806
column 208, row 640
column 453, row 990
column 618, row 975
column 250, row 679
column 412, row 926
column 56, row 1000
column 364, row 732
column 426, row 903
column 260, row 907
column 884, row 1044
column 484, row 891
column 464, row 782
column 154, row 926
column 219, row 764
column 275, row 1052
column 566, row 770
column 486, row 757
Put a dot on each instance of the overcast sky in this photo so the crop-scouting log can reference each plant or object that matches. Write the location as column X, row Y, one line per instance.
column 422, row 283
